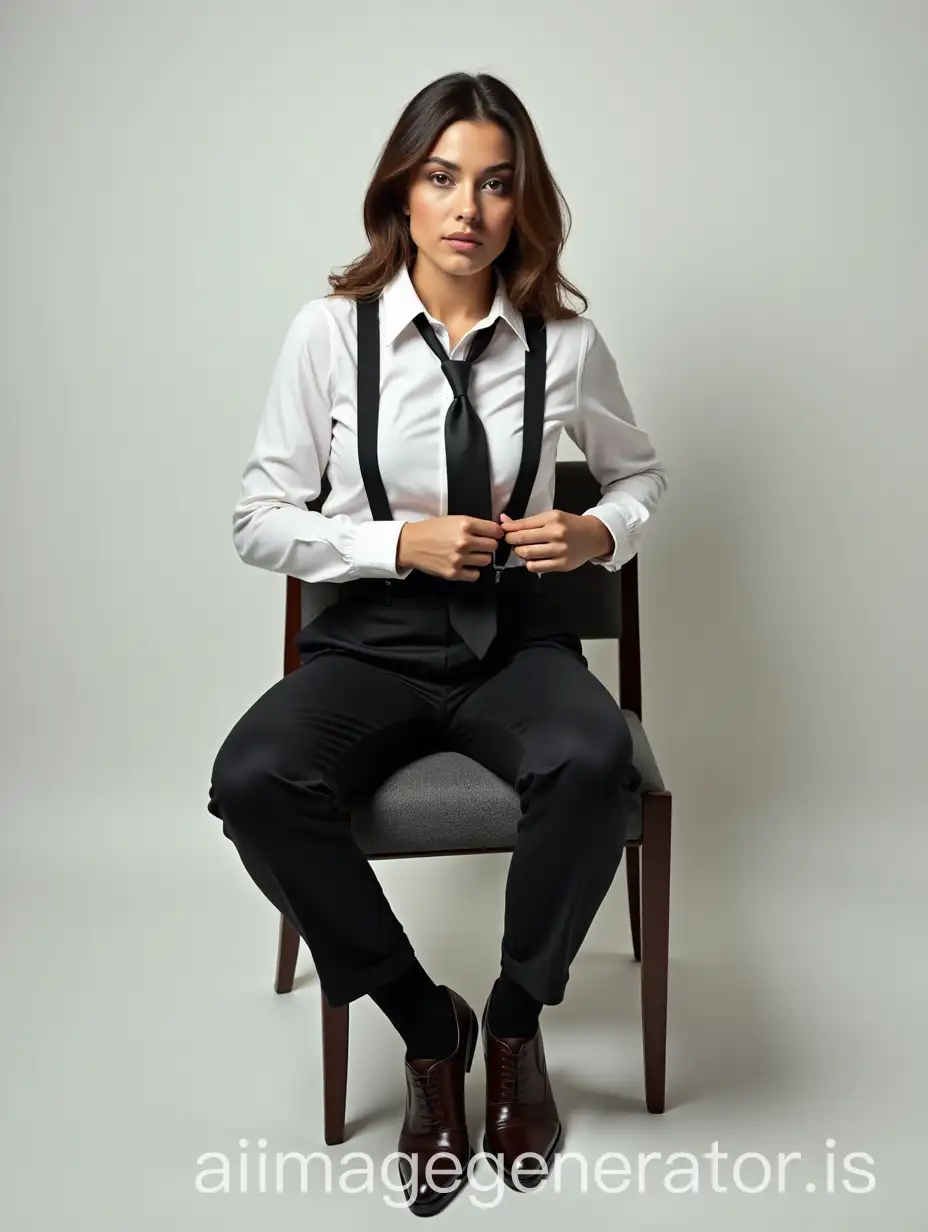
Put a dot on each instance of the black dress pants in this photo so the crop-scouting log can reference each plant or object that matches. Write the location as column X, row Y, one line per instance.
column 384, row 678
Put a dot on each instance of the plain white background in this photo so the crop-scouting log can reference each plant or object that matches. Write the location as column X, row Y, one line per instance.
column 748, row 188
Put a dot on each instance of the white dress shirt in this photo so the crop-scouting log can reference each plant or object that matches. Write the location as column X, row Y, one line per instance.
column 310, row 423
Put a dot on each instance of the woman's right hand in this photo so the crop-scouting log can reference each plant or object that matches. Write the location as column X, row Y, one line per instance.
column 454, row 547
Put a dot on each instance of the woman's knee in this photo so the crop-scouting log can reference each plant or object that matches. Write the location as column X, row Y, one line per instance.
column 240, row 780
column 253, row 781
column 599, row 758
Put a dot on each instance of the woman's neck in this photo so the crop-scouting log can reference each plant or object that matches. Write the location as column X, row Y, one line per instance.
column 451, row 299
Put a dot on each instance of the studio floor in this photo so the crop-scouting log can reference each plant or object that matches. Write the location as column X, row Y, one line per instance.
column 149, row 1064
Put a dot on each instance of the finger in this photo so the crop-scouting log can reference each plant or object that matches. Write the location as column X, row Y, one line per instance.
column 554, row 565
column 541, row 551
column 537, row 519
column 483, row 545
column 537, row 535
column 480, row 526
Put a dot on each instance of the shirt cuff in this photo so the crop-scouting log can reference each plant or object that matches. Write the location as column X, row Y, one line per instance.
column 622, row 523
column 373, row 549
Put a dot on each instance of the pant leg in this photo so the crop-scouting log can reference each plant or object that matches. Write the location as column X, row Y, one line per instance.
column 547, row 725
column 332, row 729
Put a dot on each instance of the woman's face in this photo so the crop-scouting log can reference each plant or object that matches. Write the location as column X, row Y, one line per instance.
column 466, row 184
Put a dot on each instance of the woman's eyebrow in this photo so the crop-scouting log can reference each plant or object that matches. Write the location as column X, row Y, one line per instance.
column 454, row 167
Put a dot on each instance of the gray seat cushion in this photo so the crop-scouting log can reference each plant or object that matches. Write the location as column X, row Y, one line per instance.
column 448, row 802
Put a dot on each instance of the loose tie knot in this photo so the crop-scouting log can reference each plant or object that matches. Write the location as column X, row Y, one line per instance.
column 458, row 373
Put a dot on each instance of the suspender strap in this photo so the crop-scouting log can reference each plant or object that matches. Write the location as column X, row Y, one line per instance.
column 369, row 407
column 369, row 414
column 533, row 422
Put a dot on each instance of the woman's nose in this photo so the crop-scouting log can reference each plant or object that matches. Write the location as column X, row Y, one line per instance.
column 468, row 203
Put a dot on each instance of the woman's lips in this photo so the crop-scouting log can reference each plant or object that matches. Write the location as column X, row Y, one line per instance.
column 463, row 245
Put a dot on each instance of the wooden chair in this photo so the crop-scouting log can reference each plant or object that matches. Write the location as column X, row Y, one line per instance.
column 448, row 804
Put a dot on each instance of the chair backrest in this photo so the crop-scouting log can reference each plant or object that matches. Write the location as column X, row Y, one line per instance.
column 595, row 602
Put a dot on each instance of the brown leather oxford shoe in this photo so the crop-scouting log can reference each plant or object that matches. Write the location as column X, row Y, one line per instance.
column 521, row 1112
column 435, row 1120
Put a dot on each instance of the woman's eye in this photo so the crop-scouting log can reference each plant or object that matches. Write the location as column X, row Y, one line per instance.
column 434, row 177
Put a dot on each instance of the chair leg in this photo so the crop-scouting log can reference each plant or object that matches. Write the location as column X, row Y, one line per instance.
column 655, row 921
column 288, row 947
column 334, row 1069
column 633, row 877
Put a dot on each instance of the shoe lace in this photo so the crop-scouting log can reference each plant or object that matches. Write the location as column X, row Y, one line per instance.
column 510, row 1074
column 431, row 1097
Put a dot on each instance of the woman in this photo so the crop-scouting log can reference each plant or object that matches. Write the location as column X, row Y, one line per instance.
column 431, row 388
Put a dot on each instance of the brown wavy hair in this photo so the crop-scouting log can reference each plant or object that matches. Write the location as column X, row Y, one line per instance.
column 529, row 262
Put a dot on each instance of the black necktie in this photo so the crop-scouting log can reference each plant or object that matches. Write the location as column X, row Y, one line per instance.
column 473, row 611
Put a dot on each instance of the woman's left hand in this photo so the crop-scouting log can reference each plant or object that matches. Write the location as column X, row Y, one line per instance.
column 556, row 541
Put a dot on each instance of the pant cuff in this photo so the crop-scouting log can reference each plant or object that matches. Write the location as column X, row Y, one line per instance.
column 351, row 987
column 537, row 984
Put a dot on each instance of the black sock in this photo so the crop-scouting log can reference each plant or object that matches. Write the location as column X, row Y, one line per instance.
column 512, row 1012
column 421, row 1011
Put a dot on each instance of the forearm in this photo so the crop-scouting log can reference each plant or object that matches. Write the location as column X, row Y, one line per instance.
column 313, row 546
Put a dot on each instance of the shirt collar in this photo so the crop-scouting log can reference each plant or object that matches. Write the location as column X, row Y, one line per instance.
column 401, row 304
